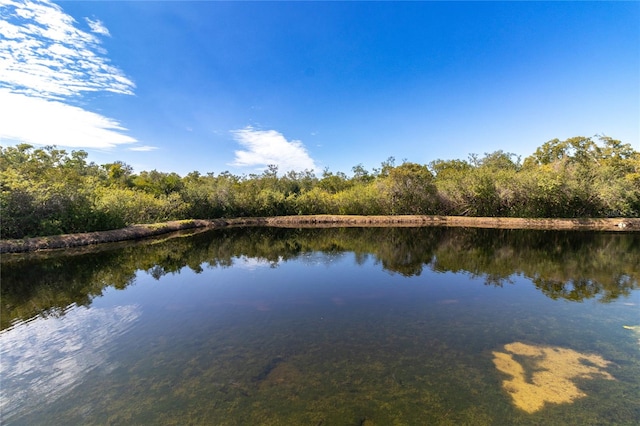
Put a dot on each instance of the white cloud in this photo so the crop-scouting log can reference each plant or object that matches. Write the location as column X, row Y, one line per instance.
column 265, row 147
column 48, row 122
column 144, row 148
column 98, row 27
column 42, row 53
column 46, row 62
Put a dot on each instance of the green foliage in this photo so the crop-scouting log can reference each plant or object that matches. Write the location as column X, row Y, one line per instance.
column 361, row 199
column 130, row 206
column 48, row 191
column 316, row 201
column 409, row 189
column 334, row 183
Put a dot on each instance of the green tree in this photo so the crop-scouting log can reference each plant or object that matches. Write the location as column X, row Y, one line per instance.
column 409, row 189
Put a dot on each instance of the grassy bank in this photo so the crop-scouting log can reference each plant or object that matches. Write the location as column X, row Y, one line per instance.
column 149, row 230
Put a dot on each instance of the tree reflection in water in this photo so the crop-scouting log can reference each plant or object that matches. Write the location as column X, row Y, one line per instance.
column 563, row 265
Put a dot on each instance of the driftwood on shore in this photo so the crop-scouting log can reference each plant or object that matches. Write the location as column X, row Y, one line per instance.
column 317, row 221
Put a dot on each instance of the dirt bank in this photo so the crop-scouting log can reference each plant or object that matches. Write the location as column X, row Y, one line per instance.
column 134, row 232
column 143, row 231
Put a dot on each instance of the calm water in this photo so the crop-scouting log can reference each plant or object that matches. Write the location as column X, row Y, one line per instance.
column 377, row 326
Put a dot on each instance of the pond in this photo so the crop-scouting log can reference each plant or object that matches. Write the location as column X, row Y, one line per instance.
column 339, row 326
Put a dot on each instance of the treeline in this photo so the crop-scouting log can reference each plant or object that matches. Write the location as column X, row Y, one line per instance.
column 47, row 191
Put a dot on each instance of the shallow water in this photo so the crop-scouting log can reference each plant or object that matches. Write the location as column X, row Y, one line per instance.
column 326, row 327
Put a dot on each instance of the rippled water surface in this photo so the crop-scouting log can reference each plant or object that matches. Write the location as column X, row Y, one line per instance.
column 376, row 326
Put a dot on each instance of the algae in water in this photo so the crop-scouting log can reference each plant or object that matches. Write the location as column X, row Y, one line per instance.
column 546, row 374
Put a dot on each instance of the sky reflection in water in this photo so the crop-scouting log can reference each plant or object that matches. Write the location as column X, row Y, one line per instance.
column 319, row 327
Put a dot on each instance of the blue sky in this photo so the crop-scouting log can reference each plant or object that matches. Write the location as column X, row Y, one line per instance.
column 214, row 86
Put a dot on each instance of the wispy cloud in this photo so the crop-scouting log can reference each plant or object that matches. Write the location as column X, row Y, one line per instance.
column 98, row 27
column 265, row 147
column 46, row 63
column 44, row 54
column 144, row 148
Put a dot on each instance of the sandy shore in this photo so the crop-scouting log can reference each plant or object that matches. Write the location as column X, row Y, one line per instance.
column 143, row 231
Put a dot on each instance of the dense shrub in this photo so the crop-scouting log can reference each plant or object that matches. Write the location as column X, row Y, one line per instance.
column 48, row 191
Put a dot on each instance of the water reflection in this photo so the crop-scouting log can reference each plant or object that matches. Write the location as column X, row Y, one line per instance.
column 329, row 326
column 562, row 265
column 49, row 357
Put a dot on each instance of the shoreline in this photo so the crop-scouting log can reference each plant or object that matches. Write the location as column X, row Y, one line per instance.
column 136, row 232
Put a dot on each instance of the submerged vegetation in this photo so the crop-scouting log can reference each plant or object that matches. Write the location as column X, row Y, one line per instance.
column 47, row 191
column 274, row 326
column 552, row 375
